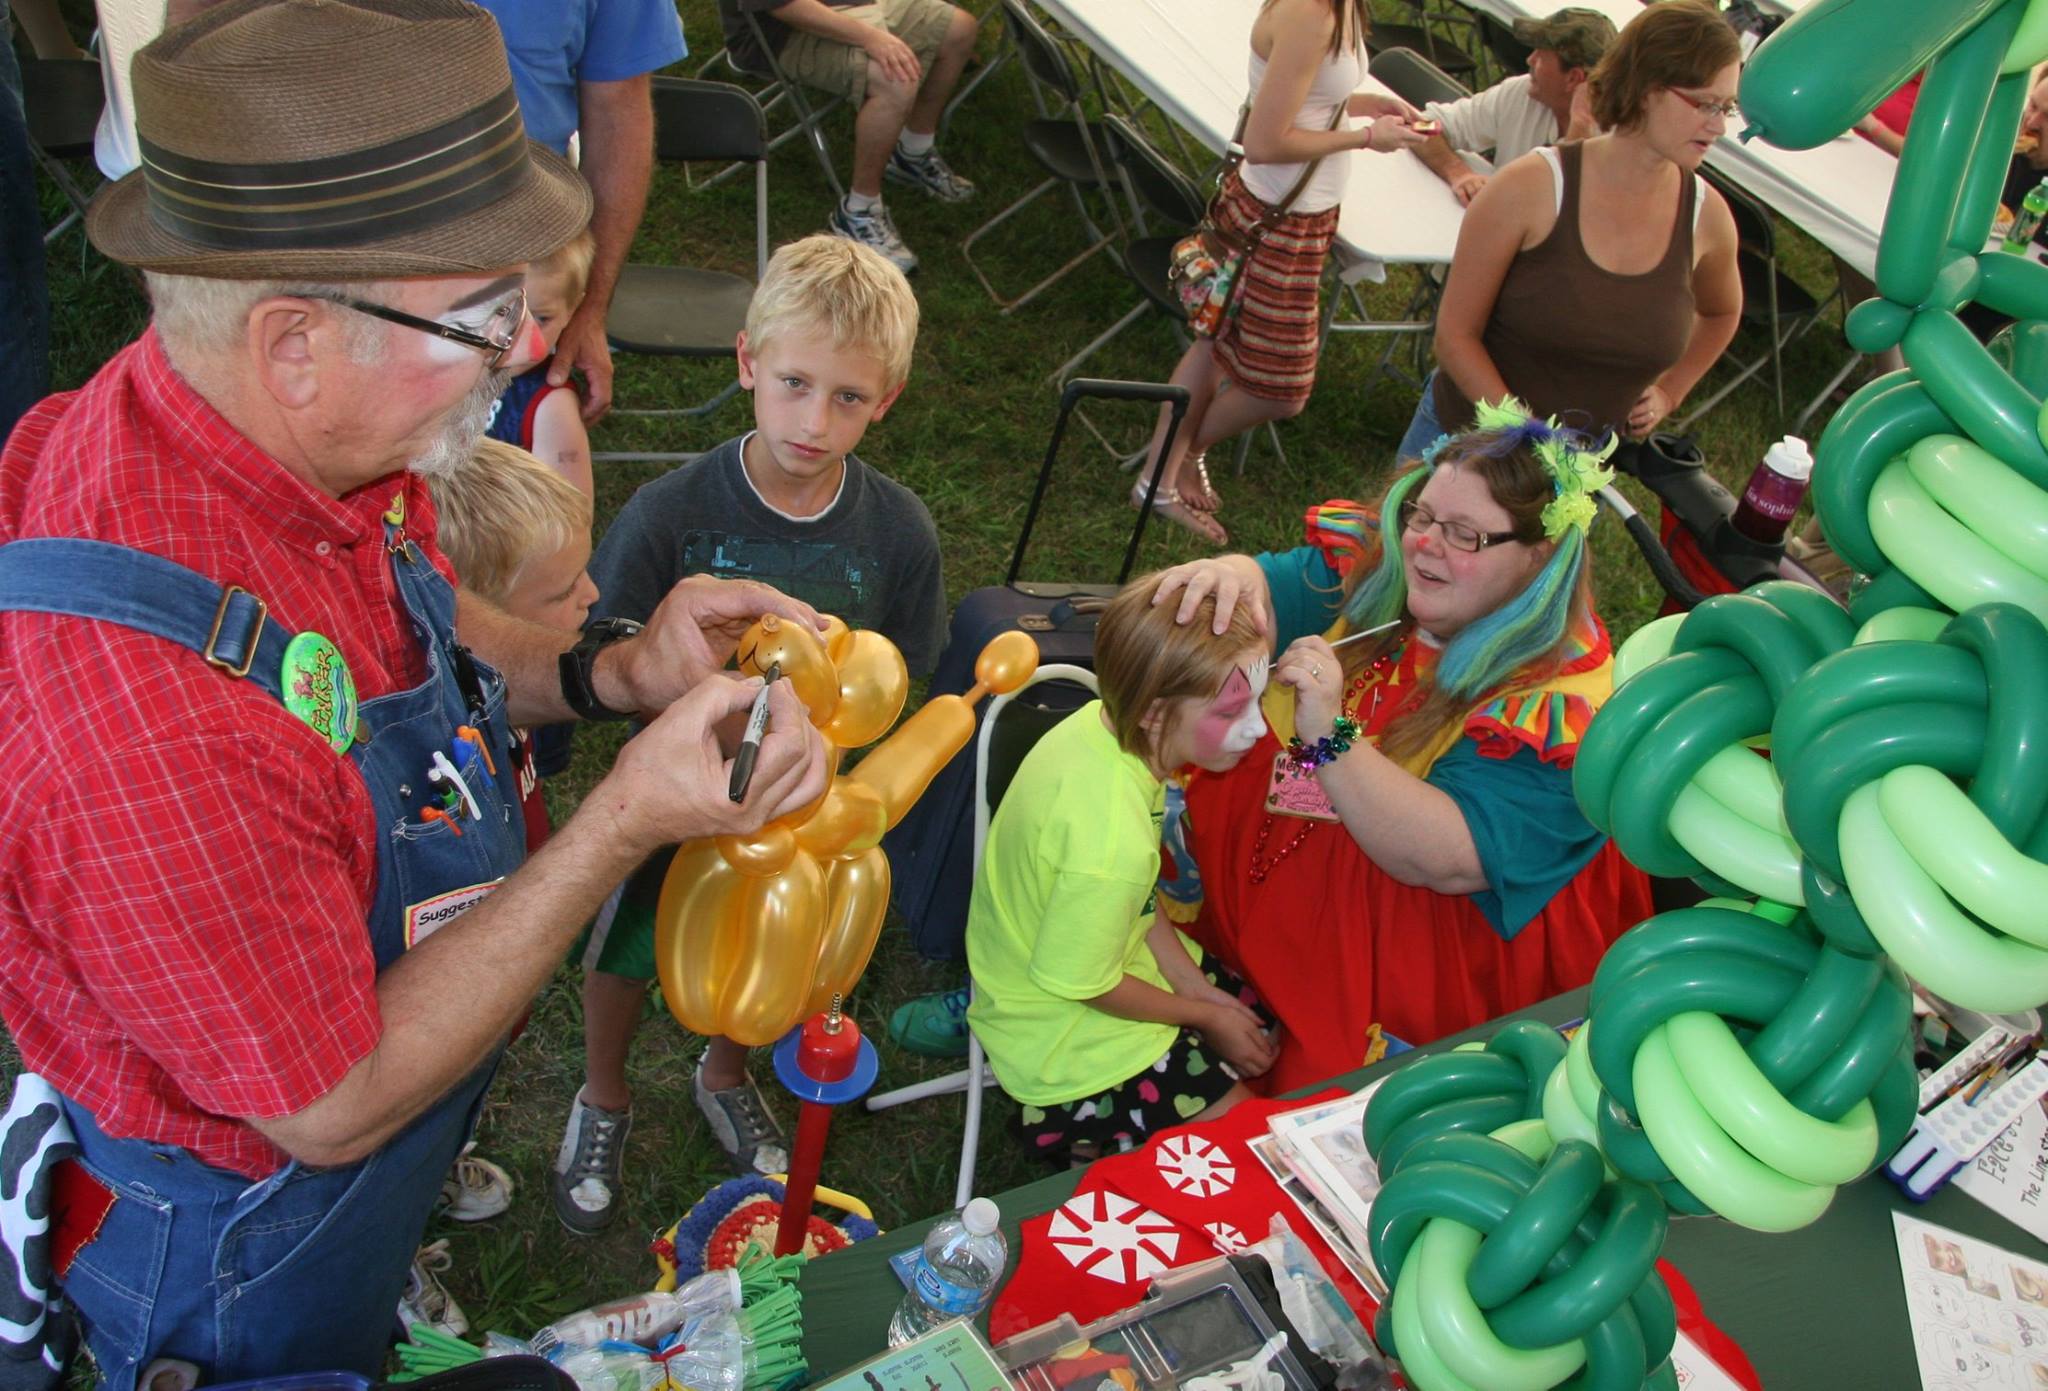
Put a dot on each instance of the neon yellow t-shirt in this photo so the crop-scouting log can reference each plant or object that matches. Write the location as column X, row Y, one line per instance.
column 1059, row 916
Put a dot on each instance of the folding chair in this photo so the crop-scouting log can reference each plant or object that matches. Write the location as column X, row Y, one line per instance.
column 997, row 755
column 1502, row 46
column 1420, row 37
column 682, row 311
column 1771, row 299
column 806, row 119
column 62, row 98
column 1066, row 144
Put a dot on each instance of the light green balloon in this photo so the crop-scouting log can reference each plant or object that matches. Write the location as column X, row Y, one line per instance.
column 1424, row 1369
column 1943, row 556
column 2030, row 42
column 1913, row 919
column 1943, row 830
column 1986, row 495
column 1561, row 1113
column 1734, row 848
column 1720, row 1173
column 1747, row 786
column 1756, row 1114
column 1904, row 623
column 1647, row 644
column 1456, row 1327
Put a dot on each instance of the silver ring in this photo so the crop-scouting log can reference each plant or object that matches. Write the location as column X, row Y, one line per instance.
column 1314, row 670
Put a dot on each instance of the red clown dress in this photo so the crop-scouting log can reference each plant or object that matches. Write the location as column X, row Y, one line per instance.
column 1342, row 951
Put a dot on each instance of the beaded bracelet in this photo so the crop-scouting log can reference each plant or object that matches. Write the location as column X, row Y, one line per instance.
column 1301, row 758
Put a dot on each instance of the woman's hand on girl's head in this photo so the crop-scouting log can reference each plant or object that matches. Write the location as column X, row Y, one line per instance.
column 1311, row 666
column 1233, row 579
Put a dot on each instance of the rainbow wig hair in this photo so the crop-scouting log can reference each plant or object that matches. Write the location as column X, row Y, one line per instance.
column 1532, row 625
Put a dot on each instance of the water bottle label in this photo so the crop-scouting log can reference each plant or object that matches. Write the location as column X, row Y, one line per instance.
column 942, row 1295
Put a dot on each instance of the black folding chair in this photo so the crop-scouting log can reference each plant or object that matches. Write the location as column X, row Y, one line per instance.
column 685, row 311
column 62, row 98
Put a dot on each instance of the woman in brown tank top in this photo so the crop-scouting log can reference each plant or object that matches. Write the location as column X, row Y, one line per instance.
column 1596, row 288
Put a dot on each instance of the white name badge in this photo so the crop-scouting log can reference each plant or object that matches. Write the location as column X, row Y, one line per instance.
column 424, row 919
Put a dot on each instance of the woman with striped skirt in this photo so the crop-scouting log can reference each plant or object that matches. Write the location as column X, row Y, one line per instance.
column 1307, row 58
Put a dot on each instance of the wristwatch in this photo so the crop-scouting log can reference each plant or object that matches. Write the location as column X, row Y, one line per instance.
column 580, row 661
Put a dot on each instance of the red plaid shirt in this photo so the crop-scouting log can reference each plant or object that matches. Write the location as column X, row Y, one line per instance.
column 186, row 870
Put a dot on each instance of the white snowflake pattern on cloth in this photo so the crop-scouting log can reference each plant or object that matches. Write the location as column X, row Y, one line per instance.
column 1112, row 1238
column 1197, row 1167
column 1228, row 1239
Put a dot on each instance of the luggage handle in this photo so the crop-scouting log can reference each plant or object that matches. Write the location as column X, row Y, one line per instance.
column 1175, row 397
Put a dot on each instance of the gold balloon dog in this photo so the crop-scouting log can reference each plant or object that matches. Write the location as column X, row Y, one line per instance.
column 754, row 933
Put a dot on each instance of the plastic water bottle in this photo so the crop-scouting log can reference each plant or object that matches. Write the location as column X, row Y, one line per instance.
column 1774, row 491
column 958, row 1270
column 2027, row 220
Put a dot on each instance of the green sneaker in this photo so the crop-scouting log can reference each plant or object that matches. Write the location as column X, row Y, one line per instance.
column 934, row 1025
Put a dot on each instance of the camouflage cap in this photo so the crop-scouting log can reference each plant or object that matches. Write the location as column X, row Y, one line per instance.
column 1577, row 35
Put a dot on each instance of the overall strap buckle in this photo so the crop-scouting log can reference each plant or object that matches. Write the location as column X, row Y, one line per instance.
column 237, row 653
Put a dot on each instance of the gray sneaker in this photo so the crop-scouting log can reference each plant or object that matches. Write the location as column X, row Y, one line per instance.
column 874, row 229
column 928, row 171
column 741, row 1124
column 585, row 1180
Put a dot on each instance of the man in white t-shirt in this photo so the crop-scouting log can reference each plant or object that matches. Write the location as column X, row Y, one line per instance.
column 1517, row 115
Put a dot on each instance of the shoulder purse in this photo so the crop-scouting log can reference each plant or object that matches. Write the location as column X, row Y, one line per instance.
column 1206, row 267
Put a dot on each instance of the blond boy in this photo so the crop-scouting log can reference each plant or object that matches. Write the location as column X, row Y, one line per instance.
column 825, row 353
column 547, row 421
column 518, row 534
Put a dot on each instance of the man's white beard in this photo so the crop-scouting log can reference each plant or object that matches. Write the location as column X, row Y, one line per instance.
column 451, row 449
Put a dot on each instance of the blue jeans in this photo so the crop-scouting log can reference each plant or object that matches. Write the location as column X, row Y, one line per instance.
column 1423, row 429
column 24, row 294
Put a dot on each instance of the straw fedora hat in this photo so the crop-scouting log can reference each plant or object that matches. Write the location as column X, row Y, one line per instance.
column 334, row 140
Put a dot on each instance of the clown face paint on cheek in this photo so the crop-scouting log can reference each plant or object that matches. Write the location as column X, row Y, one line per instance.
column 1226, row 728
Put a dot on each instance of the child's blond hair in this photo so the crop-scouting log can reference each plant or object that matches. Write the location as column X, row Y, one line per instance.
column 500, row 509
column 571, row 261
column 828, row 284
column 1142, row 656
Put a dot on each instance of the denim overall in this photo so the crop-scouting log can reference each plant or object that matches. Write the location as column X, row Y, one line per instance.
column 300, row 1271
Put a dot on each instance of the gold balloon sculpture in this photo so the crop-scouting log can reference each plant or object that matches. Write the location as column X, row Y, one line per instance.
column 754, row 933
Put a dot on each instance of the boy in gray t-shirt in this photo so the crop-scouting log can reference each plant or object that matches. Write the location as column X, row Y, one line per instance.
column 825, row 353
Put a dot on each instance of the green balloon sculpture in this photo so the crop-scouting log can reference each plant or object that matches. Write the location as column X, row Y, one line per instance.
column 1867, row 790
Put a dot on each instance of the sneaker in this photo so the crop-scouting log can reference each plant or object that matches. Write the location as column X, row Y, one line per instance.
column 930, row 172
column 874, row 229
column 426, row 1299
column 741, row 1124
column 585, row 1181
column 934, row 1025
column 475, row 1188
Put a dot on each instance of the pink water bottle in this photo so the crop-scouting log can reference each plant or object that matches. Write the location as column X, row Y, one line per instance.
column 1774, row 491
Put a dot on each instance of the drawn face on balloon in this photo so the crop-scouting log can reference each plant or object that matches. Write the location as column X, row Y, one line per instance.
column 1215, row 732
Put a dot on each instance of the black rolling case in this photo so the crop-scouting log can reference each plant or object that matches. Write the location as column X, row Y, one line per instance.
column 931, row 851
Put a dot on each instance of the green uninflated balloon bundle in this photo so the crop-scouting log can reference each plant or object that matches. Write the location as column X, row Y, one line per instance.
column 1866, row 791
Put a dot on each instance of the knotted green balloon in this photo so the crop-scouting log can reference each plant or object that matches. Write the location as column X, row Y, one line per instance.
column 1664, row 768
column 1916, row 777
column 1467, row 1089
column 1516, row 1268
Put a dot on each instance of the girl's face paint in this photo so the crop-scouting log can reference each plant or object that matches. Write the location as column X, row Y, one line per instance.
column 1214, row 734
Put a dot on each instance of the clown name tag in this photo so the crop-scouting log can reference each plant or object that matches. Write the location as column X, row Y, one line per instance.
column 424, row 919
column 1296, row 794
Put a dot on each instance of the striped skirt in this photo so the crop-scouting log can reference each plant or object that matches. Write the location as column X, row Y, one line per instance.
column 1269, row 347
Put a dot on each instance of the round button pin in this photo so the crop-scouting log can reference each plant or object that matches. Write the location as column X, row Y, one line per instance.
column 319, row 689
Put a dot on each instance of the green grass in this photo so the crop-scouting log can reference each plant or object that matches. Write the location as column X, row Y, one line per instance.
column 968, row 436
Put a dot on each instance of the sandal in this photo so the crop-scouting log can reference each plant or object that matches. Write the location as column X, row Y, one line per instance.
column 1169, row 504
column 1205, row 498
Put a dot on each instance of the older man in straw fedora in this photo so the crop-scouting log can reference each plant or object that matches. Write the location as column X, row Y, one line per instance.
column 263, row 912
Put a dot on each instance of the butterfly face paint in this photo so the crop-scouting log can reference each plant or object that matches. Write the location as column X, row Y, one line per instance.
column 1224, row 730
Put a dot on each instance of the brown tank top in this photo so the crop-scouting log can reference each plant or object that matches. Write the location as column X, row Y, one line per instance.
column 1574, row 340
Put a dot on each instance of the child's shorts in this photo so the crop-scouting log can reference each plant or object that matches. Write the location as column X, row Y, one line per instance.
column 1188, row 1079
column 621, row 941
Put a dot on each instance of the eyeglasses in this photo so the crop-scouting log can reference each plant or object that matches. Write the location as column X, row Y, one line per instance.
column 499, row 335
column 1724, row 107
column 1416, row 519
